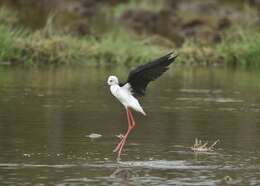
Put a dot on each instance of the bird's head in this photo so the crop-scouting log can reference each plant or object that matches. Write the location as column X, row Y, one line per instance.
column 112, row 80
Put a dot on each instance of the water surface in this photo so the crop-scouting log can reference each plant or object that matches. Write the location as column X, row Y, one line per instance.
column 46, row 114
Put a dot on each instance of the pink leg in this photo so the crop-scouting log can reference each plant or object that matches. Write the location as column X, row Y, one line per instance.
column 129, row 126
column 132, row 119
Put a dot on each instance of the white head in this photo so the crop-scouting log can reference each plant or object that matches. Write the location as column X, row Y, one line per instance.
column 112, row 80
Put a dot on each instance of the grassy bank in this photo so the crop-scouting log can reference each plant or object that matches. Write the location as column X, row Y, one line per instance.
column 242, row 48
column 238, row 48
column 49, row 46
column 46, row 46
column 41, row 47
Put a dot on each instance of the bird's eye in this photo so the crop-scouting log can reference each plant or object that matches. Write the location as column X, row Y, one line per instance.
column 110, row 80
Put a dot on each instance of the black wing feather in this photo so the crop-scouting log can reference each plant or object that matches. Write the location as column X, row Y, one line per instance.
column 143, row 74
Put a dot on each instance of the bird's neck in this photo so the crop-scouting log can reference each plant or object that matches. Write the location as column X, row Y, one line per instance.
column 114, row 88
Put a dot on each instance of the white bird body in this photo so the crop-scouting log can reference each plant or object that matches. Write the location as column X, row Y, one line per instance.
column 135, row 85
column 124, row 95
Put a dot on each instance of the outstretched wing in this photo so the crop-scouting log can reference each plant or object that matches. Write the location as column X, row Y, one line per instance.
column 143, row 74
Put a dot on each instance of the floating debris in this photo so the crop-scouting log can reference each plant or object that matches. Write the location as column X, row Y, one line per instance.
column 200, row 146
column 227, row 179
column 27, row 155
column 94, row 136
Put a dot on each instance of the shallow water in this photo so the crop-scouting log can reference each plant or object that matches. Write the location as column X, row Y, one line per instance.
column 47, row 115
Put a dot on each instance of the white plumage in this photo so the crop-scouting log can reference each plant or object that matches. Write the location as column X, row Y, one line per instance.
column 124, row 94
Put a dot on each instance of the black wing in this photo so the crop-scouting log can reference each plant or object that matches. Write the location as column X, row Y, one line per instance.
column 143, row 74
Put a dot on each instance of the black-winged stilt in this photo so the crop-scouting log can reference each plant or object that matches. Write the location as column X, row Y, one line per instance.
column 135, row 85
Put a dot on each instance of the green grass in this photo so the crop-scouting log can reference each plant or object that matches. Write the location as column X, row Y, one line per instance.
column 8, row 49
column 239, row 47
column 42, row 48
column 243, row 48
column 47, row 46
column 55, row 49
column 120, row 47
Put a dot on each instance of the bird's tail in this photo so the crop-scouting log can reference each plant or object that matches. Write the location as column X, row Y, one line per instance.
column 142, row 111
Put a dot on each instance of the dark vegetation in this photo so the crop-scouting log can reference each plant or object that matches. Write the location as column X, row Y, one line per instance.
column 129, row 31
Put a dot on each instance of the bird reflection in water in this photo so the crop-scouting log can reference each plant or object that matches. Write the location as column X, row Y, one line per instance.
column 123, row 175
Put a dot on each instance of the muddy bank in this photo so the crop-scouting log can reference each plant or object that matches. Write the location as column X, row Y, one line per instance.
column 201, row 21
column 176, row 21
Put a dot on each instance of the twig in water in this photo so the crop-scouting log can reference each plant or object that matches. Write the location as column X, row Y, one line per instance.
column 199, row 146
